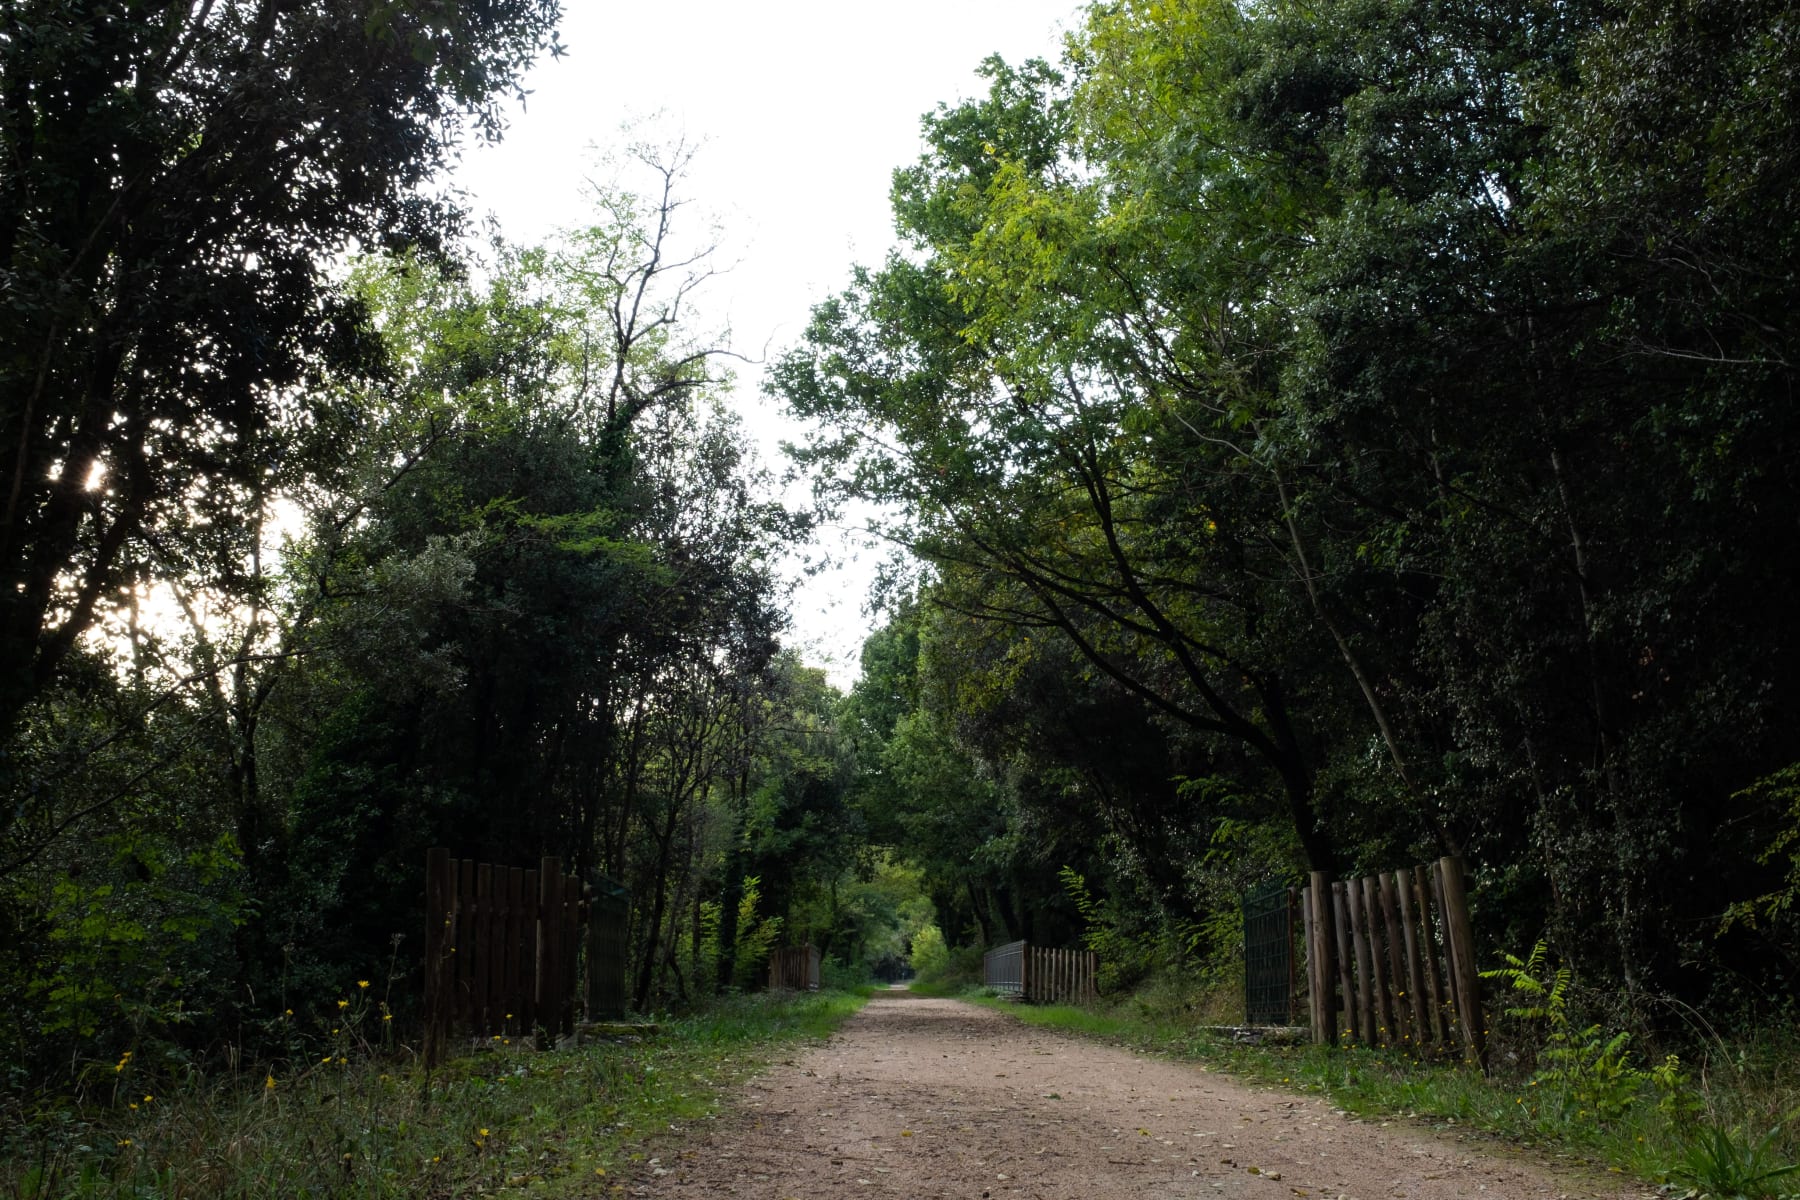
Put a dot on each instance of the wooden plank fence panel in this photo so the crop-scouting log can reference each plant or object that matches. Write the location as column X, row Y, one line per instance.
column 1042, row 974
column 502, row 949
column 1393, row 955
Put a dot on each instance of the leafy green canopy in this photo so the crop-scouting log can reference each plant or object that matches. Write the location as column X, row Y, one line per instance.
column 1393, row 399
column 179, row 179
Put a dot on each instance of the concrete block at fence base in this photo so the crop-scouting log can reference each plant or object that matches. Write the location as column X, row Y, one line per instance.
column 608, row 1031
column 1261, row 1035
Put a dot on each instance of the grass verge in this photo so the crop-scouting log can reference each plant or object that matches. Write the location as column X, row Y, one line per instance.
column 503, row 1120
column 1733, row 1121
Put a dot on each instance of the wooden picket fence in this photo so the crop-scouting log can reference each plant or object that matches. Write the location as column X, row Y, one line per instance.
column 1040, row 975
column 501, row 945
column 1390, row 960
column 795, row 968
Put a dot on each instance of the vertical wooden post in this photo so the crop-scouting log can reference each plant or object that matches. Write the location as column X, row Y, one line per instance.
column 1365, row 994
column 1321, row 947
column 436, row 934
column 1378, row 983
column 591, row 952
column 514, row 990
column 1468, row 980
column 1415, row 976
column 1434, row 993
column 465, row 938
column 482, row 966
column 497, row 1002
column 1346, row 960
column 1402, row 1029
column 1314, row 1021
column 549, row 900
column 528, row 953
column 1452, row 981
column 571, row 949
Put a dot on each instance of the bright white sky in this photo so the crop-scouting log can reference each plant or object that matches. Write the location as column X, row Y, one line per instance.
column 803, row 109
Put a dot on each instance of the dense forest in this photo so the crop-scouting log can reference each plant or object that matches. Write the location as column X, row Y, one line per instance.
column 1311, row 437
column 1338, row 435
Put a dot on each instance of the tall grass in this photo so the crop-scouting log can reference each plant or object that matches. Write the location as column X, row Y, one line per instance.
column 499, row 1119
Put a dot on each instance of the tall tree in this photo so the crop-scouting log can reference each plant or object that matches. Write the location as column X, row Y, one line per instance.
column 178, row 179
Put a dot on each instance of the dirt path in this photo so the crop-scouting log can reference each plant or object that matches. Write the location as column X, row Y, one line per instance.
column 923, row 1098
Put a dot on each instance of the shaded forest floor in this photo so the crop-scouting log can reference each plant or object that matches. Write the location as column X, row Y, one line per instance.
column 933, row 1097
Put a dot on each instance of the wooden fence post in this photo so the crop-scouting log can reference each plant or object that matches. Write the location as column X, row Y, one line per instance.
column 1346, row 959
column 516, row 974
column 1453, row 999
column 1415, row 977
column 1396, row 952
column 482, row 967
column 1365, row 992
column 549, row 893
column 1378, row 981
column 1321, row 957
column 1421, row 887
column 436, row 934
column 464, row 953
column 1462, row 944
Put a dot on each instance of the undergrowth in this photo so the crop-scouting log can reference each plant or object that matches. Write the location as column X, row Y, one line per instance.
column 501, row 1120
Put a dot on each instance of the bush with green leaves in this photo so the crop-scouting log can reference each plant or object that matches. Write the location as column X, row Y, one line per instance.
column 1583, row 1070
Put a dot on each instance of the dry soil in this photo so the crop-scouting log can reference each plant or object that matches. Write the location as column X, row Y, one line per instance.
column 919, row 1097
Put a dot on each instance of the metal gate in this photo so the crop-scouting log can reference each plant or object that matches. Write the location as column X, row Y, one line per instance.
column 1003, row 969
column 1269, row 955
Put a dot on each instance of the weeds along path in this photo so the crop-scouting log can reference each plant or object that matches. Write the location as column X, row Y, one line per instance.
column 920, row 1097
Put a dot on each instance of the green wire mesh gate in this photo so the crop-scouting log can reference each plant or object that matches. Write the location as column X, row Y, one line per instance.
column 1269, row 966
